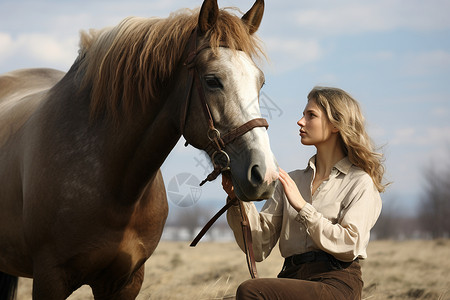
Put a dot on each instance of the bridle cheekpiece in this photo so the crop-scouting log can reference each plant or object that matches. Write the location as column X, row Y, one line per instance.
column 217, row 142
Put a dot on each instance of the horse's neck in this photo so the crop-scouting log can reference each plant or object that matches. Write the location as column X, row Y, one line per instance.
column 155, row 144
column 131, row 153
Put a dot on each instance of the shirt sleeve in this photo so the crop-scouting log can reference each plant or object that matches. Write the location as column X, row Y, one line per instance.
column 265, row 225
column 349, row 237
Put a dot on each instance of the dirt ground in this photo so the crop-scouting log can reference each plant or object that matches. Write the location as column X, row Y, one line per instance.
column 413, row 269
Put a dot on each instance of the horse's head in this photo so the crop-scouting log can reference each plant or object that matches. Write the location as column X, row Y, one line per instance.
column 135, row 72
column 223, row 95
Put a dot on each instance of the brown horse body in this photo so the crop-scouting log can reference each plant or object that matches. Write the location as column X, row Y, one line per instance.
column 82, row 199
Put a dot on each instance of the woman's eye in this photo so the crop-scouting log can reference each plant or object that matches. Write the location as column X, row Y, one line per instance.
column 213, row 82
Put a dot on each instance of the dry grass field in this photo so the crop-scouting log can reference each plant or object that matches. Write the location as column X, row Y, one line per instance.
column 394, row 270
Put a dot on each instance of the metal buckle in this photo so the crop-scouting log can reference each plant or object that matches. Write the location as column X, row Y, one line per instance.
column 217, row 164
column 213, row 134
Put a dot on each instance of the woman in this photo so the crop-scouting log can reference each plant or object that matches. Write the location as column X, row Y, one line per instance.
column 322, row 215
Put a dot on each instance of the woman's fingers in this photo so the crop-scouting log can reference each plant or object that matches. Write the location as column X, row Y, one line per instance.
column 285, row 178
column 291, row 190
column 227, row 185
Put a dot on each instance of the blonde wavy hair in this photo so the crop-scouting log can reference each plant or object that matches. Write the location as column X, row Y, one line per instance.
column 345, row 114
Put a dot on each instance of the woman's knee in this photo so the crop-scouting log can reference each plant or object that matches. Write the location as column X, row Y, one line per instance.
column 248, row 290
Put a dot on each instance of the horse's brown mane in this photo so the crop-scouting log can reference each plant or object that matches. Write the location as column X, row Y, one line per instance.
column 131, row 61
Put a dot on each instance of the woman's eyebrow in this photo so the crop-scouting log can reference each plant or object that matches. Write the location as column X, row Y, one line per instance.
column 309, row 111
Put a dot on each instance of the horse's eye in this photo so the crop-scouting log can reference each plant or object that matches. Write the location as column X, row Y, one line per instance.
column 213, row 82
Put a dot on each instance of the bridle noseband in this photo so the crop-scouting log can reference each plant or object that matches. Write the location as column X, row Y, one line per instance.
column 217, row 142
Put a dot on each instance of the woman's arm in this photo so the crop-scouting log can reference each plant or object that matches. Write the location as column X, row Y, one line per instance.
column 348, row 238
column 265, row 226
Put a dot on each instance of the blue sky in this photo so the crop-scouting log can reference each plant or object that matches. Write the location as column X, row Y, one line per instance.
column 391, row 55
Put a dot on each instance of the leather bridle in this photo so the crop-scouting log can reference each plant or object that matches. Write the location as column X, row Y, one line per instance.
column 217, row 145
column 217, row 142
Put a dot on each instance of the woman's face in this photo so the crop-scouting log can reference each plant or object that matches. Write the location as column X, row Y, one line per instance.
column 315, row 128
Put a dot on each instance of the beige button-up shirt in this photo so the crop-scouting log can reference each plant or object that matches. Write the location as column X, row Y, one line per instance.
column 337, row 218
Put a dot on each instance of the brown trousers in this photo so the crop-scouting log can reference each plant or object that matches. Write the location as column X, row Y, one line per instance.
column 315, row 281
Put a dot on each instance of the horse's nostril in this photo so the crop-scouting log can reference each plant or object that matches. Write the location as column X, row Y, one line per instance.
column 257, row 176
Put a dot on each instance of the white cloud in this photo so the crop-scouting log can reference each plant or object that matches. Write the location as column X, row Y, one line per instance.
column 377, row 133
column 50, row 49
column 290, row 53
column 426, row 63
column 410, row 136
column 403, row 136
column 42, row 49
column 341, row 19
column 6, row 43
column 441, row 112
column 380, row 56
column 349, row 17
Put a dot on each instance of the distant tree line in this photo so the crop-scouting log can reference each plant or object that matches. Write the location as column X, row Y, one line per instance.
column 432, row 219
column 434, row 212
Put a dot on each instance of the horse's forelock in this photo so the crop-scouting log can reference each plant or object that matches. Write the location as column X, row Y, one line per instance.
column 126, row 64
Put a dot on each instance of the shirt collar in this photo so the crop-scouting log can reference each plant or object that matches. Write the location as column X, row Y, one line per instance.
column 342, row 166
column 312, row 163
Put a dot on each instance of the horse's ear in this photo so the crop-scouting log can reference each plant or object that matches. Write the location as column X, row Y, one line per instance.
column 254, row 16
column 208, row 15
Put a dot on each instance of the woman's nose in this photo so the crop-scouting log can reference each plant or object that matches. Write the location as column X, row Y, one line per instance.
column 301, row 122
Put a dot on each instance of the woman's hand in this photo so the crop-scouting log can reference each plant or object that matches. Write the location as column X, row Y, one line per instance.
column 227, row 185
column 290, row 189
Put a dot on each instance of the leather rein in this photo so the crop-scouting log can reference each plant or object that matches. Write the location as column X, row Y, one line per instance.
column 217, row 144
column 246, row 233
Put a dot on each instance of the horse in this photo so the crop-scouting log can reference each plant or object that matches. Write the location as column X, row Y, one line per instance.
column 82, row 198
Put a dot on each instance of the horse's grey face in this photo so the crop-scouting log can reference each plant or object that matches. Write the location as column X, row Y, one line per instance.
column 231, row 82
